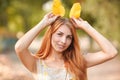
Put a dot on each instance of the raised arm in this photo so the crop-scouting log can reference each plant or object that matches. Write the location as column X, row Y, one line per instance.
column 22, row 45
column 108, row 51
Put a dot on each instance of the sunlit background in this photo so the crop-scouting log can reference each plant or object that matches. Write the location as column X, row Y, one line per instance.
column 18, row 16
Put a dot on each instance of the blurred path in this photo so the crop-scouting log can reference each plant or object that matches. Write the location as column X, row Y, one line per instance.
column 109, row 70
column 12, row 69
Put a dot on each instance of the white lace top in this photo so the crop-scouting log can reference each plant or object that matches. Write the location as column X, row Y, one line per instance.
column 47, row 73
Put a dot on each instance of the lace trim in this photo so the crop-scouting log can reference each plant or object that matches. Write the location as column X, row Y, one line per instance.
column 46, row 73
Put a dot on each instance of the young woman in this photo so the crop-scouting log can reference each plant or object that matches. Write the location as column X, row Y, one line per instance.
column 59, row 57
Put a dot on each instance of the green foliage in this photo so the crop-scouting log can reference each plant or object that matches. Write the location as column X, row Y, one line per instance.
column 21, row 15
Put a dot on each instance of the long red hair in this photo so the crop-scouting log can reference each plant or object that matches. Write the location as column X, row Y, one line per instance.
column 74, row 61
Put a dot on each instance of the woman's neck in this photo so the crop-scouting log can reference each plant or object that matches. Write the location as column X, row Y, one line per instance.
column 54, row 60
column 55, row 56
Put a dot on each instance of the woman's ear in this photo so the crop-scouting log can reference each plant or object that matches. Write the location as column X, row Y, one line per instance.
column 75, row 10
column 58, row 8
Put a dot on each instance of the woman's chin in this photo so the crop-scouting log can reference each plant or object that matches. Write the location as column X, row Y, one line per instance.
column 60, row 50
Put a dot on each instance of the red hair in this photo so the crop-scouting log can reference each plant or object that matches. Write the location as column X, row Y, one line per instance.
column 74, row 60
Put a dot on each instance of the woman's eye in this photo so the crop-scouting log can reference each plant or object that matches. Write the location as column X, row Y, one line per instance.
column 59, row 34
column 69, row 37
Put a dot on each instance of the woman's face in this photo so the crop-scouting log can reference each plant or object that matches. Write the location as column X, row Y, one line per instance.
column 61, row 39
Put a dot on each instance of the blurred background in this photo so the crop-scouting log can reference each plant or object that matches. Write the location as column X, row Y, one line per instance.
column 18, row 16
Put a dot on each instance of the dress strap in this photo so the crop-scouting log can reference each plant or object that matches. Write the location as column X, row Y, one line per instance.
column 39, row 66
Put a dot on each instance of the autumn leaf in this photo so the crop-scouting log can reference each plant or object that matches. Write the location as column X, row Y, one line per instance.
column 75, row 10
column 57, row 8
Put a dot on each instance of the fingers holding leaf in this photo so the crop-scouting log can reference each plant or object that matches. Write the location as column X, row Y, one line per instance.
column 50, row 18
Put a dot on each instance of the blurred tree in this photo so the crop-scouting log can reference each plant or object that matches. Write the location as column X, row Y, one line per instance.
column 4, row 4
column 104, row 16
column 21, row 15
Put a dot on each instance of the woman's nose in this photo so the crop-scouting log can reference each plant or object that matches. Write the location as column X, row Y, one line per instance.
column 63, row 40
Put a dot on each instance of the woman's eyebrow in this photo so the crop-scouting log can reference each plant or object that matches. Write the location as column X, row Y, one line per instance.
column 60, row 31
column 63, row 33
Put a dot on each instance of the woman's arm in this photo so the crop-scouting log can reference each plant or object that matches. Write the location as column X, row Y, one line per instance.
column 22, row 45
column 108, row 51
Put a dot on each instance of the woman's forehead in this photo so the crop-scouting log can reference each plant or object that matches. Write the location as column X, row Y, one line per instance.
column 64, row 29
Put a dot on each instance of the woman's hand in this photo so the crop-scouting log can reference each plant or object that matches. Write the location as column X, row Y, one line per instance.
column 79, row 23
column 49, row 19
column 108, row 51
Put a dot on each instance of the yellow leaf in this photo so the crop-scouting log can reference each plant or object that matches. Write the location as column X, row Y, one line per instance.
column 75, row 10
column 57, row 8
